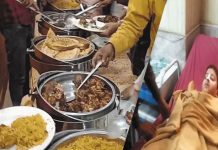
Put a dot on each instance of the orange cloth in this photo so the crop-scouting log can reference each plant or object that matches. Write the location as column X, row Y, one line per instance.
column 193, row 124
column 3, row 70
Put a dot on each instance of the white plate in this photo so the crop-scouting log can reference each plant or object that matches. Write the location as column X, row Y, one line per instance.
column 99, row 23
column 8, row 115
column 89, row 28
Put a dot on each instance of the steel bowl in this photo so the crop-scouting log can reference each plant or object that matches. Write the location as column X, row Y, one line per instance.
column 60, row 25
column 65, row 78
column 52, row 7
column 74, row 136
column 45, row 58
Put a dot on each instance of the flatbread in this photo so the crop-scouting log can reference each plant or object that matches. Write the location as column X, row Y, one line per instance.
column 64, row 48
column 70, row 54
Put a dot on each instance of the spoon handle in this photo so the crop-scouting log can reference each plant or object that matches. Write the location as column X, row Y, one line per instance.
column 88, row 76
column 87, row 9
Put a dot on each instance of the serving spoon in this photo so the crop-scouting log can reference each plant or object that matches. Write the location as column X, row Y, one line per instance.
column 70, row 17
column 69, row 88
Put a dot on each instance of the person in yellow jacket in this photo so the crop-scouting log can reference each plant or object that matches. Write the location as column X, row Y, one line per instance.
column 138, row 15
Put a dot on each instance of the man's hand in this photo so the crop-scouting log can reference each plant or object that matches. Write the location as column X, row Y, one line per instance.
column 109, row 29
column 104, row 54
column 30, row 3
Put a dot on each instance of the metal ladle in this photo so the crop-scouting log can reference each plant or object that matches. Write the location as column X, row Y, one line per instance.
column 69, row 88
column 70, row 17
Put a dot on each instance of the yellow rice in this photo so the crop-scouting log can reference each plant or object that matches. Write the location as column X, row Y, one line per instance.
column 7, row 137
column 91, row 143
column 30, row 131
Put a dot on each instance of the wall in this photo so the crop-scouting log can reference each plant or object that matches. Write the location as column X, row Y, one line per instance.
column 193, row 15
column 210, row 11
column 174, row 12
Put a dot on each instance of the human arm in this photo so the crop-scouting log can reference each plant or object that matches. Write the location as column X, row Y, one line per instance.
column 35, row 3
column 110, row 28
column 29, row 3
column 138, row 15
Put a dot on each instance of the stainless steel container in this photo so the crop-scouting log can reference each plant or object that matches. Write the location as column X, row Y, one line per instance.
column 79, row 64
column 42, row 67
column 72, row 136
column 52, row 7
column 60, row 25
column 96, row 119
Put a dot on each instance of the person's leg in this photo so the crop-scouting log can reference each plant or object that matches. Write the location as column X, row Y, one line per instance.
column 17, row 37
column 150, row 81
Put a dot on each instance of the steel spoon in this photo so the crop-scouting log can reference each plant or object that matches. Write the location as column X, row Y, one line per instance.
column 70, row 90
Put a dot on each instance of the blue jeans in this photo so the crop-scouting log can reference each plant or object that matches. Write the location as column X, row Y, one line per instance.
column 17, row 38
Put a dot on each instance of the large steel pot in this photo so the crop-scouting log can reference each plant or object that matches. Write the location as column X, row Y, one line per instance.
column 66, row 78
column 52, row 7
column 72, row 136
column 60, row 26
column 45, row 58
column 42, row 66
column 63, row 121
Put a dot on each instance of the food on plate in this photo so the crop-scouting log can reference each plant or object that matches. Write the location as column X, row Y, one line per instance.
column 63, row 47
column 92, row 95
column 30, row 131
column 88, row 23
column 83, row 22
column 108, row 18
column 92, row 143
column 25, row 132
column 65, row 4
column 7, row 136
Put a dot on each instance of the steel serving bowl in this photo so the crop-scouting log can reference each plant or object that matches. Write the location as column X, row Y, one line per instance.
column 59, row 24
column 45, row 58
column 66, row 78
column 97, row 133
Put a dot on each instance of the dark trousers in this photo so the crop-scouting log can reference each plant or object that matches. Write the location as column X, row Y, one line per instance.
column 17, row 38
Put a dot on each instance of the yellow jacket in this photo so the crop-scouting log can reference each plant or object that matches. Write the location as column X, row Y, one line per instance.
column 138, row 15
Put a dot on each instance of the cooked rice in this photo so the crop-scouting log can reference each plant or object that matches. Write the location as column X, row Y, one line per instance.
column 7, row 137
column 91, row 143
column 66, row 4
column 30, row 131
